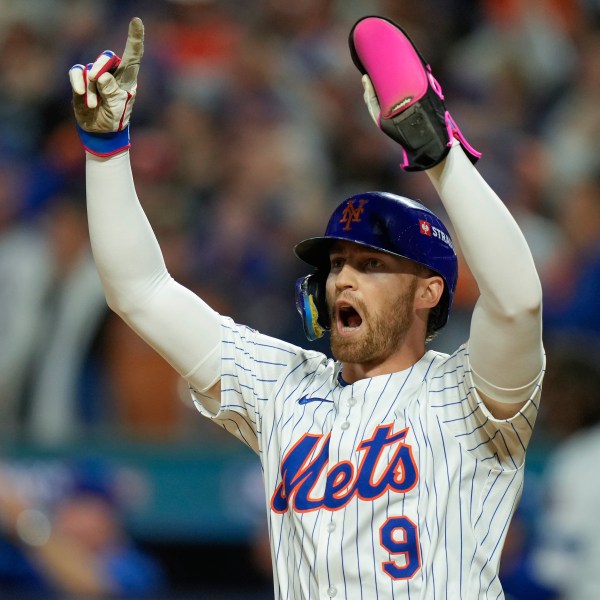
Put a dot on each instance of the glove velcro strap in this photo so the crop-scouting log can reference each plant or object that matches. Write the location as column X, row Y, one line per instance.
column 421, row 131
column 105, row 144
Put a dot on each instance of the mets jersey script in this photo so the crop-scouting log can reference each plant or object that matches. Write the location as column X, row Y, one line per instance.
column 397, row 486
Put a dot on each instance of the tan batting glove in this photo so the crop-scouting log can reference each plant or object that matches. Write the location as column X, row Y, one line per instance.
column 104, row 93
column 370, row 98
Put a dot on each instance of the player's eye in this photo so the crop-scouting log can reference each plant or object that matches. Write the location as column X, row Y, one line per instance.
column 336, row 263
column 373, row 263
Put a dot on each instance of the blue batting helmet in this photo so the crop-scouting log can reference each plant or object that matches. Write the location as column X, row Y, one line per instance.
column 385, row 222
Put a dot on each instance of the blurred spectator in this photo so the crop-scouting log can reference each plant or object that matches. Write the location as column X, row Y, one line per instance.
column 567, row 552
column 25, row 274
column 78, row 547
column 144, row 388
column 27, row 60
column 520, row 580
column 571, row 131
column 61, row 385
column 198, row 41
column 572, row 288
column 551, row 551
column 524, row 45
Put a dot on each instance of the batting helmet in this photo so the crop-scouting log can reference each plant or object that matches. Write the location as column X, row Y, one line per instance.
column 385, row 222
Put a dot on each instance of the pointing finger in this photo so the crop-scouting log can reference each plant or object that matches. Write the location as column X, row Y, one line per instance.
column 126, row 73
column 134, row 48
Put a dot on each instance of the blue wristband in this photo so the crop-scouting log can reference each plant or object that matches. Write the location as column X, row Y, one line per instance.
column 105, row 144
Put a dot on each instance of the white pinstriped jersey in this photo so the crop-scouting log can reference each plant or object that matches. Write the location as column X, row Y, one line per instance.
column 397, row 486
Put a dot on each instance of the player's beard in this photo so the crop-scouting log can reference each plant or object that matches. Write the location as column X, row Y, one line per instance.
column 384, row 332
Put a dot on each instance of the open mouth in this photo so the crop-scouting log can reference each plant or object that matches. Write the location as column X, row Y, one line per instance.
column 348, row 318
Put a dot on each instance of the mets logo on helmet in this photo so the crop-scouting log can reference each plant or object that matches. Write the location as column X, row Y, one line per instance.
column 352, row 213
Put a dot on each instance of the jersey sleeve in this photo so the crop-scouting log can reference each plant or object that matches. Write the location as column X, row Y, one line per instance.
column 251, row 365
column 499, row 443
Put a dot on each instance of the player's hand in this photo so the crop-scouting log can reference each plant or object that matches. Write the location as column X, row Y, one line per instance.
column 104, row 93
column 402, row 95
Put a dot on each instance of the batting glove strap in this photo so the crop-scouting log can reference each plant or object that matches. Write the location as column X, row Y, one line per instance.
column 105, row 144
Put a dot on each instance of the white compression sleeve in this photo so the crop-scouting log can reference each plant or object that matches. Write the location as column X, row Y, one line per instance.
column 505, row 342
column 169, row 317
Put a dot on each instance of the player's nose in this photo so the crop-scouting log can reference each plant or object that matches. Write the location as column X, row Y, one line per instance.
column 346, row 277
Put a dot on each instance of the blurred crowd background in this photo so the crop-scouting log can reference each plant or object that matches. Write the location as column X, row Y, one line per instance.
column 248, row 129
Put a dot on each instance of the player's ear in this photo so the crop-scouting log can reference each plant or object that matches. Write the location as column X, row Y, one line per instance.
column 429, row 291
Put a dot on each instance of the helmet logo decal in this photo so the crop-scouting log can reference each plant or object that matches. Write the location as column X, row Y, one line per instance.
column 428, row 229
column 352, row 213
column 425, row 227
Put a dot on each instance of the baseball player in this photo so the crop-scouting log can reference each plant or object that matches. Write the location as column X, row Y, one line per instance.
column 392, row 471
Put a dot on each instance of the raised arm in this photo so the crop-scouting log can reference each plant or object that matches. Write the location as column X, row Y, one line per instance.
column 505, row 342
column 173, row 320
column 407, row 103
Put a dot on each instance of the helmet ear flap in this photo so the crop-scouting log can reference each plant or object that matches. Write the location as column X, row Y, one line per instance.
column 312, row 305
